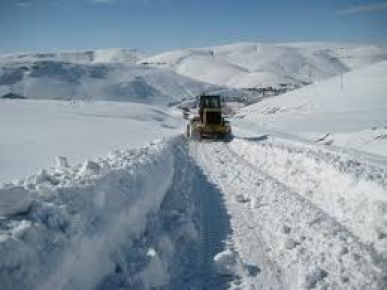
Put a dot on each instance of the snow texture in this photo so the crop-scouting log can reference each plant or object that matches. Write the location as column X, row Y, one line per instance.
column 14, row 200
column 34, row 133
column 297, row 241
column 57, row 80
column 249, row 65
column 136, row 219
column 82, row 220
column 347, row 111
column 297, row 200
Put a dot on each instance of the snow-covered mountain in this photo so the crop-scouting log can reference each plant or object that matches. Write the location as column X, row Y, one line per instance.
column 249, row 65
column 175, row 76
column 351, row 55
column 116, row 55
column 114, row 82
column 286, row 204
column 106, row 74
column 348, row 110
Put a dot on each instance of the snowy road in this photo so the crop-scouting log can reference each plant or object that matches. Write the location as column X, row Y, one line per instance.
column 298, row 228
column 278, row 210
column 268, row 212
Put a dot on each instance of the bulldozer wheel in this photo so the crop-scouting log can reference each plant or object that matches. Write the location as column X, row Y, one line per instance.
column 191, row 134
column 196, row 136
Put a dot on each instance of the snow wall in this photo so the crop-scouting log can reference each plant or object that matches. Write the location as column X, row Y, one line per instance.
column 95, row 225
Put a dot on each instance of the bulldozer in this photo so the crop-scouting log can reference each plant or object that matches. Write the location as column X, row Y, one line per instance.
column 210, row 124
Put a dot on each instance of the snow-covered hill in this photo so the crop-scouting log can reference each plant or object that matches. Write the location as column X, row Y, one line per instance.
column 348, row 110
column 126, row 75
column 278, row 207
column 112, row 82
column 104, row 74
column 352, row 55
column 34, row 132
column 247, row 65
column 116, row 55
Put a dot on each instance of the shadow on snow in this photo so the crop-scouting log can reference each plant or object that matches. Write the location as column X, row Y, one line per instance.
column 211, row 220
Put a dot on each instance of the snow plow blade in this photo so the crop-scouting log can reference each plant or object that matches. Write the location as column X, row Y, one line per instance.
column 197, row 131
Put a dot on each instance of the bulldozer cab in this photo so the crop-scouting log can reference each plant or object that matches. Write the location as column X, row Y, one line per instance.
column 210, row 123
column 210, row 102
column 210, row 109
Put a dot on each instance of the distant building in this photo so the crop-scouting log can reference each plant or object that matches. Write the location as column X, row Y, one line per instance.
column 12, row 96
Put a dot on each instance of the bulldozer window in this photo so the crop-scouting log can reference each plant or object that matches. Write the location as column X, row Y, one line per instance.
column 210, row 102
column 215, row 103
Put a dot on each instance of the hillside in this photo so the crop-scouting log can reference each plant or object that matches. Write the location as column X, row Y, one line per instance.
column 349, row 111
column 56, row 80
column 102, row 74
column 249, row 65
column 34, row 132
column 175, row 76
column 122, row 55
column 103, row 195
column 352, row 55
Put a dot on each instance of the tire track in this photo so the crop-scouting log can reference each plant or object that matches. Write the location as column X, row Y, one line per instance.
column 294, row 233
column 349, row 191
column 212, row 223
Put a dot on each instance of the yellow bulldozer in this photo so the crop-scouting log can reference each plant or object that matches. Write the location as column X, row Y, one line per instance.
column 210, row 123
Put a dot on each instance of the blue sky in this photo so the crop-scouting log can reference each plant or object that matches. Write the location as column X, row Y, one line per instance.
column 156, row 25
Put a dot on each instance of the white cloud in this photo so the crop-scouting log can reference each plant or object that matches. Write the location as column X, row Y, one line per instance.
column 364, row 8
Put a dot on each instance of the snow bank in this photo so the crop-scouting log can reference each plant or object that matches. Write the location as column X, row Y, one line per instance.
column 296, row 243
column 228, row 263
column 350, row 190
column 13, row 201
column 70, row 227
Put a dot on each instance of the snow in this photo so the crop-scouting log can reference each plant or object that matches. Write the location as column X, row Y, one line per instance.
column 33, row 133
column 297, row 200
column 351, row 109
column 137, row 222
column 314, row 275
column 353, row 55
column 249, row 65
column 13, row 201
column 295, row 240
column 348, row 190
column 55, row 80
column 155, row 275
column 86, row 221
column 119, row 55
column 227, row 263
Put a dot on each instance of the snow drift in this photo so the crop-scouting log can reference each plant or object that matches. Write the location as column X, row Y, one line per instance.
column 35, row 131
column 78, row 223
column 137, row 219
column 289, row 221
